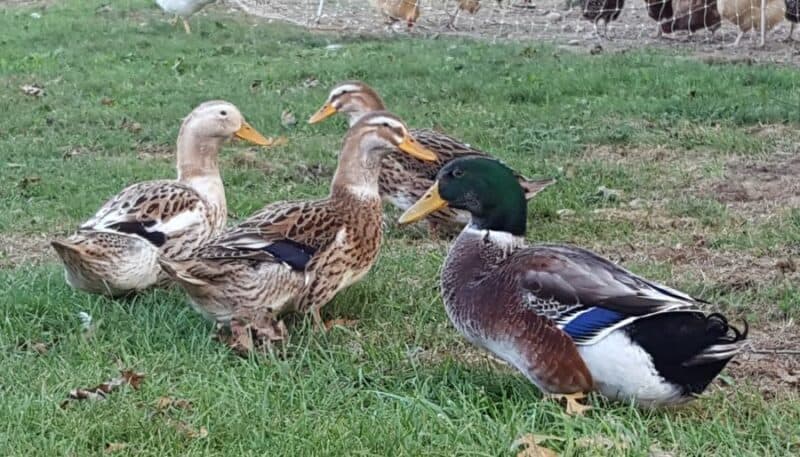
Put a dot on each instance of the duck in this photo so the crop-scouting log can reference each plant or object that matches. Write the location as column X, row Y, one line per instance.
column 398, row 10
column 295, row 256
column 183, row 9
column 115, row 251
column 403, row 178
column 568, row 319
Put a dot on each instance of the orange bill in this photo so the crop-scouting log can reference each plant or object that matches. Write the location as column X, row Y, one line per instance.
column 429, row 203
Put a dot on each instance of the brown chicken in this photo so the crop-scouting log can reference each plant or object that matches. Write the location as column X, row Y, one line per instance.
column 746, row 14
column 398, row 10
column 607, row 10
column 659, row 10
column 693, row 15
column 792, row 15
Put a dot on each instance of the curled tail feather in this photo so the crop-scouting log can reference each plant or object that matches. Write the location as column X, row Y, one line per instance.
column 730, row 341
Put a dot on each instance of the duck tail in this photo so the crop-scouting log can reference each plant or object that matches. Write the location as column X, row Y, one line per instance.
column 729, row 341
column 179, row 271
column 531, row 187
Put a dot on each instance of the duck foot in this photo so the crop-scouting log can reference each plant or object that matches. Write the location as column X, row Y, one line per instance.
column 574, row 407
column 244, row 338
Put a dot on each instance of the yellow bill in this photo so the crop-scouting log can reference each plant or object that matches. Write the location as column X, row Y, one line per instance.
column 411, row 147
column 248, row 133
column 429, row 203
column 323, row 113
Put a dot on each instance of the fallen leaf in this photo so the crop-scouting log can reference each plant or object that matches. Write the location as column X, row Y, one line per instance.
column 311, row 82
column 131, row 126
column 101, row 391
column 188, row 429
column 114, row 447
column 656, row 451
column 609, row 194
column 169, row 402
column 34, row 90
column 532, row 447
column 287, row 119
column 106, row 101
column 38, row 347
column 340, row 323
column 279, row 141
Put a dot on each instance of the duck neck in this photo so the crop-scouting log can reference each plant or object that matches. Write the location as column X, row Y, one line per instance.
column 198, row 167
column 358, row 170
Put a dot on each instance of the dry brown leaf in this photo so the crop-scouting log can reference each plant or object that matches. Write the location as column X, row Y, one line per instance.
column 187, row 429
column 340, row 323
column 107, row 101
column 279, row 141
column 101, row 391
column 34, row 90
column 114, row 447
column 37, row 347
column 532, row 445
column 168, row 402
column 131, row 126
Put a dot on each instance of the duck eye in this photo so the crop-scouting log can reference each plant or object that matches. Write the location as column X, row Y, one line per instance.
column 223, row 113
column 385, row 124
column 457, row 173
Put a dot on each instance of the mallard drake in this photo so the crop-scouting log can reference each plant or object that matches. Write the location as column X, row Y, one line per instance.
column 295, row 256
column 183, row 9
column 568, row 319
column 115, row 252
column 404, row 179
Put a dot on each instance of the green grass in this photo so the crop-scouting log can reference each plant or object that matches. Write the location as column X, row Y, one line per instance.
column 402, row 382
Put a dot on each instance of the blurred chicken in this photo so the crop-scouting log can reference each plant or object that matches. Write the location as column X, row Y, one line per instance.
column 693, row 15
column 659, row 10
column 470, row 6
column 746, row 14
column 398, row 10
column 607, row 10
column 792, row 15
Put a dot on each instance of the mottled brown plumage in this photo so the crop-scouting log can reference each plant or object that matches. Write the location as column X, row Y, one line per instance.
column 115, row 252
column 403, row 178
column 295, row 256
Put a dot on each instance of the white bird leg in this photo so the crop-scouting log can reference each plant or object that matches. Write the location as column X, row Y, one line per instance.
column 763, row 23
column 319, row 11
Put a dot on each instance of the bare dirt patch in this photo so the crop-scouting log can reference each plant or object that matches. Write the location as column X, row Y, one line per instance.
column 28, row 249
column 540, row 20
column 758, row 187
column 771, row 362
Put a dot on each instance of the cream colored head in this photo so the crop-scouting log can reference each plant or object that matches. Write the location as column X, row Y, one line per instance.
column 354, row 99
column 202, row 133
column 365, row 145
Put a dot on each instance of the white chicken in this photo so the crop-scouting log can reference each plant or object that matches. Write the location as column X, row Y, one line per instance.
column 183, row 9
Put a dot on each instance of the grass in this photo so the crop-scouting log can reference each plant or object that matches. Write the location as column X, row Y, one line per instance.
column 402, row 382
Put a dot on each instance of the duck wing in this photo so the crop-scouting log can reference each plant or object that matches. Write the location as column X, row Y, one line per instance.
column 588, row 296
column 154, row 210
column 287, row 232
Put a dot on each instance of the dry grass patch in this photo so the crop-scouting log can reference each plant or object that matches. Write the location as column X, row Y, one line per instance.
column 25, row 249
